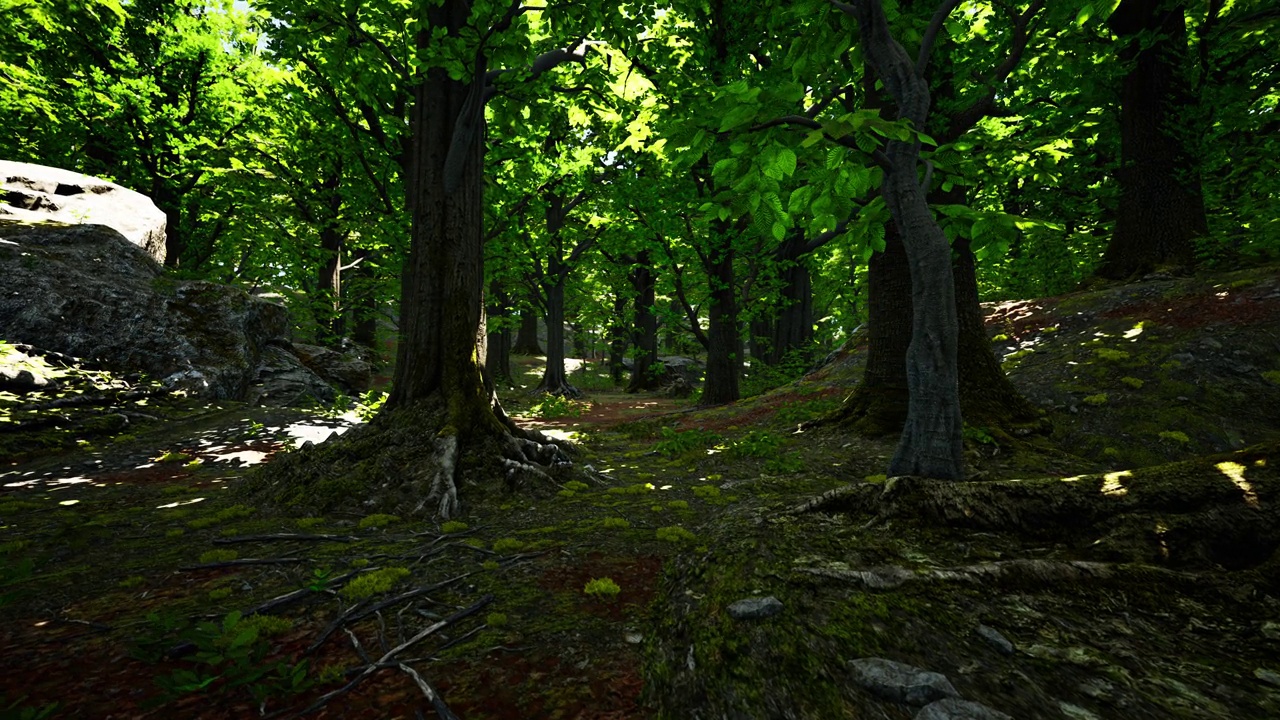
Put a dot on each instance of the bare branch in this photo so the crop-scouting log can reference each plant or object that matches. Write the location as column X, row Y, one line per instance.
column 931, row 34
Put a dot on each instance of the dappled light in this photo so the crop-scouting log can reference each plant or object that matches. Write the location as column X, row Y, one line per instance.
column 1235, row 472
column 1112, row 483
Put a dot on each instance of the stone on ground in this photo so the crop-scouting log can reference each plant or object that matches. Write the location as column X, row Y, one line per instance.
column 957, row 709
column 901, row 682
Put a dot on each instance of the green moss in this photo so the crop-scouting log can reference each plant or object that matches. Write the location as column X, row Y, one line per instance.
column 220, row 594
column 174, row 457
column 378, row 581
column 215, row 556
column 675, row 534
column 1133, row 382
column 452, row 526
column 132, row 581
column 575, row 486
column 267, row 625
column 637, row 489
column 176, row 532
column 678, row 505
column 490, row 565
column 1095, row 400
column 1272, row 375
column 1000, row 338
column 309, row 522
column 1175, row 436
column 495, row 620
column 235, row 512
column 506, row 545
column 378, row 520
column 706, row 492
column 1112, row 355
column 612, row 522
column 603, row 588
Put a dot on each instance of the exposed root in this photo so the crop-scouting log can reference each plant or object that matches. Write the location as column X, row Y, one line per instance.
column 1020, row 572
column 444, row 489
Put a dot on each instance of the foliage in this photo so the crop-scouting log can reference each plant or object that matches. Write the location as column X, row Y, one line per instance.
column 756, row 444
column 602, row 588
column 557, row 406
column 219, row 555
column 226, row 655
column 374, row 582
column 675, row 534
column 678, row 442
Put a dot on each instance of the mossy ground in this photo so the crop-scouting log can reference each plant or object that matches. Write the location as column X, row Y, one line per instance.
column 688, row 515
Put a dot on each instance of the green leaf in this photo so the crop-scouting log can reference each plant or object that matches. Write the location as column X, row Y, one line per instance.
column 779, row 231
column 799, row 200
column 813, row 138
column 740, row 115
column 786, row 161
column 1085, row 13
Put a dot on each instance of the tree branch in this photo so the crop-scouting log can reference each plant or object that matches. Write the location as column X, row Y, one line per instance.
column 931, row 34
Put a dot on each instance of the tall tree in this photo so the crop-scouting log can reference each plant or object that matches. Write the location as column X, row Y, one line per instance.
column 1161, row 198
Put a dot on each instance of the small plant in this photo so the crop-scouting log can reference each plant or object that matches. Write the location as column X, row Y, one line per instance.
column 784, row 465
column 217, row 556
column 506, row 545
column 603, row 588
column 557, row 406
column 319, row 579
column 378, row 520
column 1175, row 436
column 370, row 584
column 756, row 444
column 452, row 526
column 490, row 565
column 977, row 435
column 1096, row 400
column 678, row 442
column 171, row 456
column 675, row 534
column 1133, row 382
column 612, row 522
column 495, row 620
column 369, row 404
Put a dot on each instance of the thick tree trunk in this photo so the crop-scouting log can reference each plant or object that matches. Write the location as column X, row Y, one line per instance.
column 793, row 327
column 646, row 372
column 724, row 345
column 1161, row 199
column 527, row 338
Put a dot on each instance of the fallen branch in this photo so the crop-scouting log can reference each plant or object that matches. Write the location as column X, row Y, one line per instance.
column 382, row 661
column 1036, row 572
column 433, row 697
column 283, row 536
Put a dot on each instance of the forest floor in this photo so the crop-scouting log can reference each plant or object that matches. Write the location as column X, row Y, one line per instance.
column 132, row 585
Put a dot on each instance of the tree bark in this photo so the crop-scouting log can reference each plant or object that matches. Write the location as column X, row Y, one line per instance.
column 329, row 317
column 724, row 345
column 527, row 338
column 498, row 357
column 1161, row 199
column 618, row 338
column 645, row 373
column 554, row 380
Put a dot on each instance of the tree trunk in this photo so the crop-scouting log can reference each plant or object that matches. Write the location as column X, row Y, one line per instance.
column 793, row 328
column 618, row 338
column 646, row 372
column 1161, row 199
column 724, row 351
column 527, row 338
column 328, row 309
column 364, row 303
column 931, row 443
column 554, row 381
column 498, row 357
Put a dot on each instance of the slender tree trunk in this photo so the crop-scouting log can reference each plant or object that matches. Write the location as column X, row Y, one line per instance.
column 498, row 357
column 554, row 381
column 329, row 312
column 1161, row 199
column 724, row 344
column 793, row 329
column 364, row 304
column 645, row 373
column 618, row 338
column 527, row 338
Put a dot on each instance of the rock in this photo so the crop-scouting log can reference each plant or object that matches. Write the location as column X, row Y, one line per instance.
column 36, row 193
column 1075, row 712
column 995, row 639
column 956, row 709
column 348, row 371
column 901, row 682
column 1211, row 344
column 1267, row 676
column 755, row 608
column 284, row 381
column 1271, row 630
column 87, row 292
column 683, row 367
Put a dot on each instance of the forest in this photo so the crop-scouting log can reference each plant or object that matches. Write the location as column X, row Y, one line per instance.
column 687, row 359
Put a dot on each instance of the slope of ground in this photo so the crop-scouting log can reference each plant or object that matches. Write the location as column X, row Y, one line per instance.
column 1067, row 583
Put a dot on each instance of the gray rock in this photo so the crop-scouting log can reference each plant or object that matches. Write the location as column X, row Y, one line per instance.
column 1271, row 630
column 37, row 193
column 995, row 639
column 755, row 608
column 901, row 682
column 284, row 381
column 348, row 371
column 87, row 292
column 956, row 709
column 1269, row 677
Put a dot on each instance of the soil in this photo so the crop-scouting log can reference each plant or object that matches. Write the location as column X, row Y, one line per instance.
column 114, row 551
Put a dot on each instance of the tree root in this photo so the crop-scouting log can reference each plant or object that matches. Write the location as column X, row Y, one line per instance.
column 1007, row 572
column 444, row 490
column 1221, row 509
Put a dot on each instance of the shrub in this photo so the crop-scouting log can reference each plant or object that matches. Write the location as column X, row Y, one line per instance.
column 602, row 587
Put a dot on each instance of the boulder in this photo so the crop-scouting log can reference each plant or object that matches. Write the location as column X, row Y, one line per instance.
column 86, row 291
column 956, row 709
column 901, row 682
column 688, row 369
column 755, row 608
column 36, row 193
column 348, row 371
